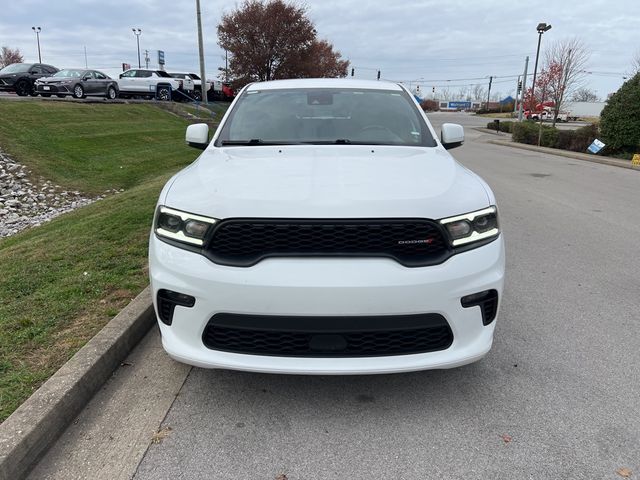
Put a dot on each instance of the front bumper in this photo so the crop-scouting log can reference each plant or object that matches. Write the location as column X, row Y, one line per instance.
column 326, row 287
column 53, row 89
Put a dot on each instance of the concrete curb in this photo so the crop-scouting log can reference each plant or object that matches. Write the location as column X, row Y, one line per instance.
column 29, row 432
column 568, row 154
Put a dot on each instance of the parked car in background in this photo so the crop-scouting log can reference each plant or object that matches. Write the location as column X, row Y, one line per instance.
column 151, row 83
column 220, row 91
column 20, row 77
column 79, row 83
column 197, row 83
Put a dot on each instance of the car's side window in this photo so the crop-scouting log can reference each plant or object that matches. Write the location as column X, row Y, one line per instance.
column 36, row 69
column 129, row 74
column 88, row 75
column 48, row 69
column 143, row 74
column 100, row 75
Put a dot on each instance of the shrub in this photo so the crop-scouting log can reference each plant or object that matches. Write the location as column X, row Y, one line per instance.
column 505, row 125
column 527, row 132
column 577, row 140
column 430, row 105
column 620, row 118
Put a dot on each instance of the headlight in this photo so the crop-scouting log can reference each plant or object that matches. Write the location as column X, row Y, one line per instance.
column 472, row 227
column 182, row 226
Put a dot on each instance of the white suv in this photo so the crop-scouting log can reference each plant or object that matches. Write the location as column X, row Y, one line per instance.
column 152, row 83
column 326, row 230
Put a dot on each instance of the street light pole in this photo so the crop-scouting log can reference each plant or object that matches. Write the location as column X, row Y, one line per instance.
column 541, row 28
column 137, row 32
column 203, row 77
column 38, row 30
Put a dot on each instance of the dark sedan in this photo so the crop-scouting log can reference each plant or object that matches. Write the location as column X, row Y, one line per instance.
column 79, row 83
column 21, row 77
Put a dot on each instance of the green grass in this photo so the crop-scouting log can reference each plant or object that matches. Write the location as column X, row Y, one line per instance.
column 60, row 283
column 92, row 147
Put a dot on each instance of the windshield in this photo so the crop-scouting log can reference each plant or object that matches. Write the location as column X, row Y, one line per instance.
column 16, row 68
column 194, row 76
column 325, row 116
column 69, row 73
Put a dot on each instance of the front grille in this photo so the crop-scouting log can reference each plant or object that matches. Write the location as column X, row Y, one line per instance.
column 328, row 336
column 411, row 242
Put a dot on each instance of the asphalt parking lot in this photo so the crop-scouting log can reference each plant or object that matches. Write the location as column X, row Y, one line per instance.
column 556, row 398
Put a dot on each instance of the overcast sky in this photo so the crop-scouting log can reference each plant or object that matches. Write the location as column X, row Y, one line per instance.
column 439, row 42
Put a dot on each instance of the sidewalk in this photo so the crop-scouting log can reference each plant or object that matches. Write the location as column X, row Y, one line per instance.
column 504, row 139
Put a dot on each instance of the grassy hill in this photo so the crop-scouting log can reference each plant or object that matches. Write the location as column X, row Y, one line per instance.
column 60, row 283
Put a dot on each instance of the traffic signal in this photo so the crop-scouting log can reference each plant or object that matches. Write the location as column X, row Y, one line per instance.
column 353, row 71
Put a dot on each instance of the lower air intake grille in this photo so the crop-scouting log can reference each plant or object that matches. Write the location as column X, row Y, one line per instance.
column 328, row 336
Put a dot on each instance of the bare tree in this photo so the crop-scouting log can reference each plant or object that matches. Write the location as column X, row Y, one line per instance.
column 571, row 57
column 583, row 94
column 479, row 92
column 635, row 63
column 9, row 56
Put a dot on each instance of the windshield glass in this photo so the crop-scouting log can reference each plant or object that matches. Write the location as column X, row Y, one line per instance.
column 69, row 73
column 321, row 116
column 16, row 68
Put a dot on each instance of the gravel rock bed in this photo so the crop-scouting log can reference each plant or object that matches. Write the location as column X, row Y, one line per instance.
column 25, row 203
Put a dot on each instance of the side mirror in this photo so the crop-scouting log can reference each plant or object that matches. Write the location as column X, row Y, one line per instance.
column 198, row 135
column 452, row 135
column 120, row 76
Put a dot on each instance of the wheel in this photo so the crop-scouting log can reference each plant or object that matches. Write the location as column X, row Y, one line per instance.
column 111, row 93
column 78, row 91
column 197, row 95
column 164, row 94
column 23, row 88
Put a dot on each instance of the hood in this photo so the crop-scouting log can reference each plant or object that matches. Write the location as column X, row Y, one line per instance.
column 326, row 182
column 56, row 79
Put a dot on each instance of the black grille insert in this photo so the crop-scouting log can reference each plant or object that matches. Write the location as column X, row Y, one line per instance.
column 327, row 336
column 244, row 242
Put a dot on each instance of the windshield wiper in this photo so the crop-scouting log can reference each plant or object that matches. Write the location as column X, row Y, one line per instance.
column 253, row 141
column 256, row 141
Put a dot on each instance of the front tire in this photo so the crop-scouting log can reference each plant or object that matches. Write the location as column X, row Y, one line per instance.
column 23, row 88
column 164, row 94
column 78, row 91
column 111, row 93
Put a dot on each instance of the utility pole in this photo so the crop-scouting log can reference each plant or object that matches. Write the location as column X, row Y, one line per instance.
column 524, row 88
column 203, row 77
column 86, row 65
column 146, row 59
column 518, row 87
column 226, row 66
column 489, row 94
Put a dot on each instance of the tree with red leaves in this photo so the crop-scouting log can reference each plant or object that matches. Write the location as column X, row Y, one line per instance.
column 270, row 39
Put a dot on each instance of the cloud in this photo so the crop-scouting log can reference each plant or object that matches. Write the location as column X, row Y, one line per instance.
column 405, row 40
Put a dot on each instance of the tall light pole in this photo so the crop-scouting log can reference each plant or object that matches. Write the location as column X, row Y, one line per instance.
column 541, row 28
column 38, row 30
column 137, row 32
column 203, row 77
